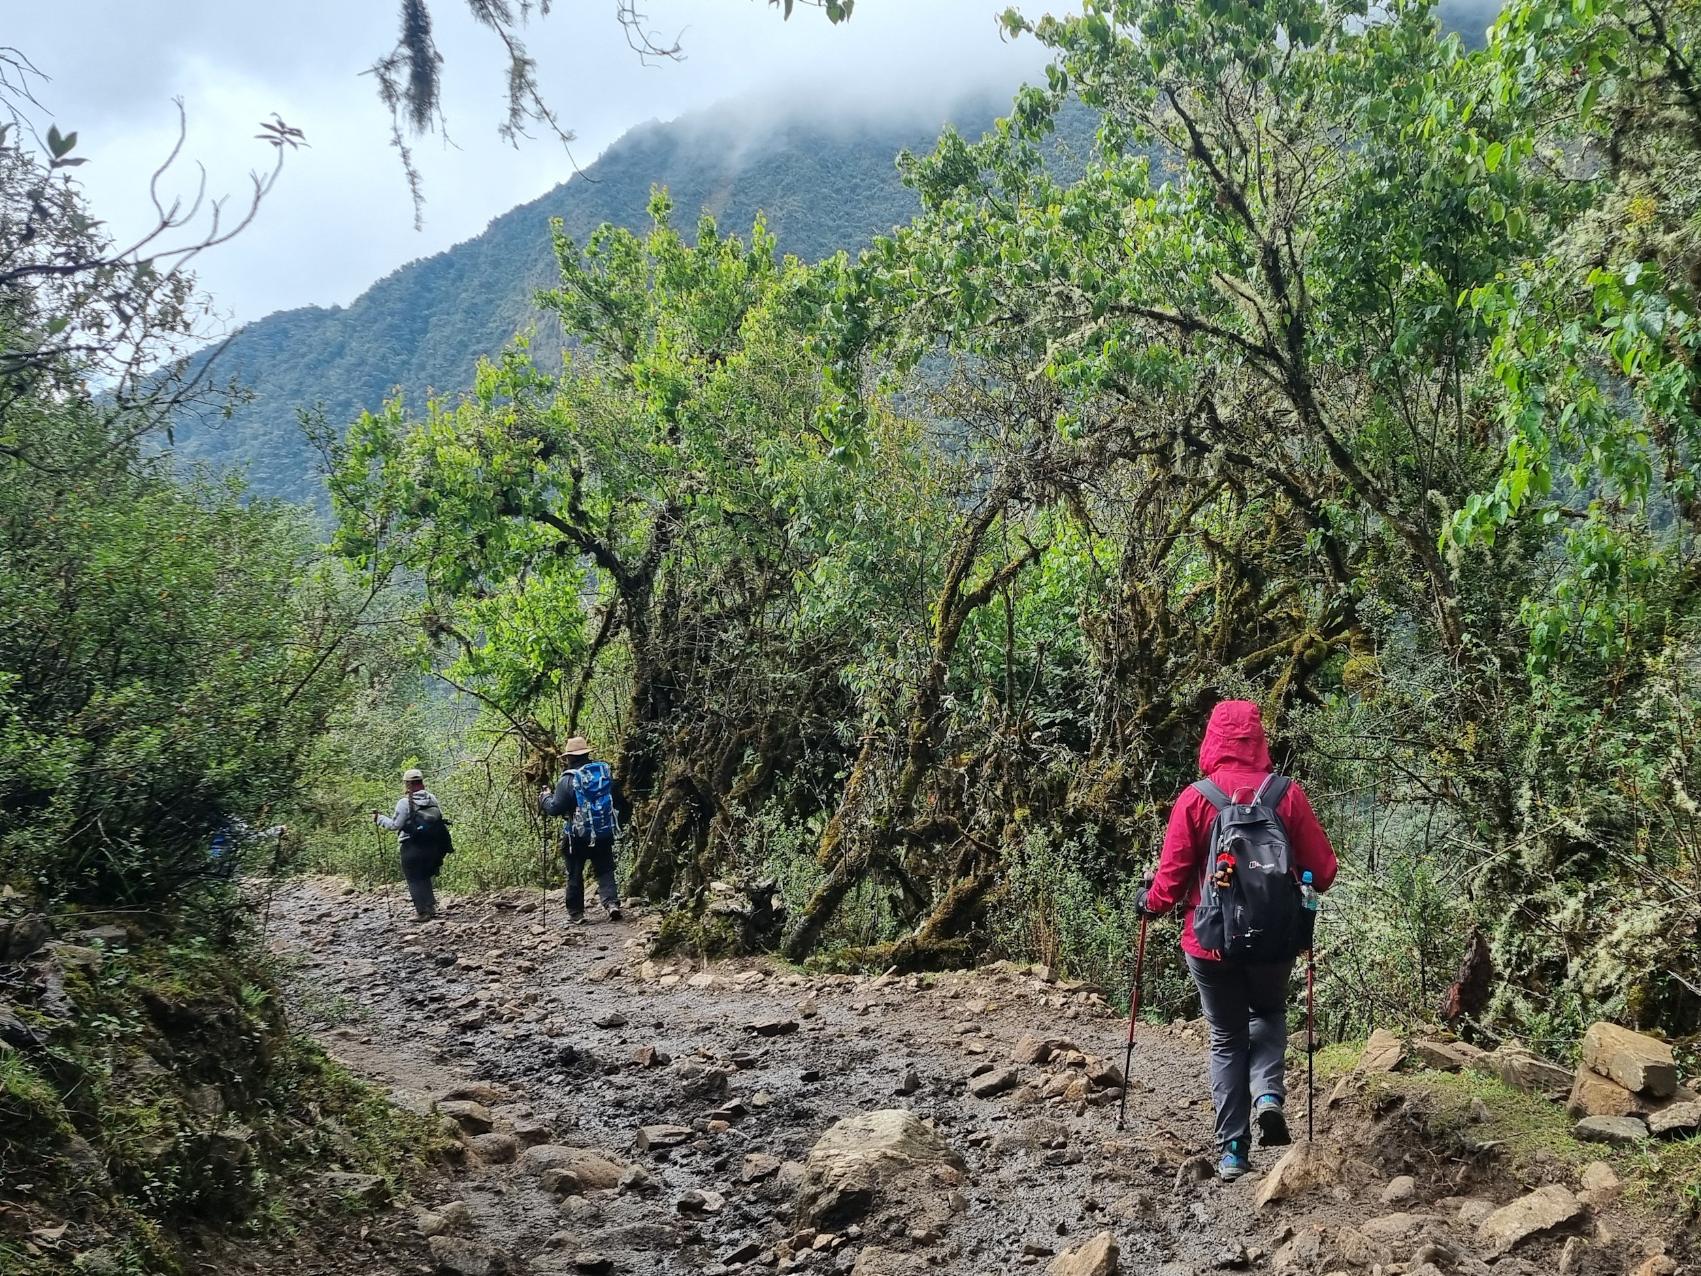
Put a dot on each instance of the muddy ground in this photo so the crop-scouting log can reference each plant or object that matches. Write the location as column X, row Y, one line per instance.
column 579, row 1038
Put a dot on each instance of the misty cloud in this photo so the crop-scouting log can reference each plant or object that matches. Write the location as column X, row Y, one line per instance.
column 341, row 215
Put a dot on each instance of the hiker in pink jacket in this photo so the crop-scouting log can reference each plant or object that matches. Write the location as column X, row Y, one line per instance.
column 1245, row 1002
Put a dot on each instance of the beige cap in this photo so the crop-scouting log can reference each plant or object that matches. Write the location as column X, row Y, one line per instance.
column 578, row 744
column 411, row 774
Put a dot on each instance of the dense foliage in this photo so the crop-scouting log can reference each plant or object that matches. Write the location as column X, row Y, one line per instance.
column 1353, row 372
column 169, row 652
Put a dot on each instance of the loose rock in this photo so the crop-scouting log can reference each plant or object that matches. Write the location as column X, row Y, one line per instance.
column 1679, row 1118
column 991, row 1084
column 472, row 1117
column 1541, row 1211
column 1382, row 1053
column 591, row 1169
column 1098, row 1257
column 889, row 1155
column 1522, row 1070
column 457, row 1256
column 662, row 1136
column 1303, row 1167
column 1401, row 1188
column 1618, row 1131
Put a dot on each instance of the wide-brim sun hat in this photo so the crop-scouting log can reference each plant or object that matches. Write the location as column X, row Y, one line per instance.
column 578, row 744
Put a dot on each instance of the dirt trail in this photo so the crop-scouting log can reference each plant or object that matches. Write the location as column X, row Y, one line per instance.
column 490, row 994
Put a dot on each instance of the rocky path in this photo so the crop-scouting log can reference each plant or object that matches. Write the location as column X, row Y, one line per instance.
column 637, row 1115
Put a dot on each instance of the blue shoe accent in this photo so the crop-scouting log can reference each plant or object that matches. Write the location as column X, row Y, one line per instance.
column 1272, row 1122
column 1234, row 1162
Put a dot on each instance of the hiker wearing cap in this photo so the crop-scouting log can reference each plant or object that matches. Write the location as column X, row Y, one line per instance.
column 587, row 798
column 422, row 837
column 1239, row 846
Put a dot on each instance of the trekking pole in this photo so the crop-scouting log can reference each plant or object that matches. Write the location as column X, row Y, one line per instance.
column 1133, row 1014
column 1310, row 1043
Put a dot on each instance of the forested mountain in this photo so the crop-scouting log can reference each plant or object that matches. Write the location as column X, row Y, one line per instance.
column 822, row 184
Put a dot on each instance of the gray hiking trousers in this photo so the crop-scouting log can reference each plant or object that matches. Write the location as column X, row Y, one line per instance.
column 418, row 868
column 1247, row 1008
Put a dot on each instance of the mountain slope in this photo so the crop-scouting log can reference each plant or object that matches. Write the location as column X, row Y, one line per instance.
column 823, row 186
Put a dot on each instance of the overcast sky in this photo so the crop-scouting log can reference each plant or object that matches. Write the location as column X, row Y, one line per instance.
column 341, row 217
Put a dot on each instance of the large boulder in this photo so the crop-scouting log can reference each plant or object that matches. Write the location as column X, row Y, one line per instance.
column 1540, row 1212
column 1637, row 1062
column 875, row 1158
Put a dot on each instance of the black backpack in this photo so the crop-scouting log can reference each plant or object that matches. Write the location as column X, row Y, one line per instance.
column 1250, row 905
column 426, row 829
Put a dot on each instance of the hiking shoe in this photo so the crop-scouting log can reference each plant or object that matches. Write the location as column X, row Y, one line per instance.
column 575, row 919
column 612, row 912
column 1234, row 1162
column 1272, row 1122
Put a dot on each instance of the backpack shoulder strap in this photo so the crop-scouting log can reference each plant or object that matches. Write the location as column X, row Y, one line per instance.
column 1272, row 791
column 1211, row 793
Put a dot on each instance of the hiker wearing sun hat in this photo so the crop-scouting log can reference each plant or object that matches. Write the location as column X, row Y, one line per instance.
column 587, row 798
column 422, row 837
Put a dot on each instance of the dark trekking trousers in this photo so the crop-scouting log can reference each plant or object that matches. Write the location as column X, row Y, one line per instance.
column 419, row 866
column 1246, row 1005
column 599, row 850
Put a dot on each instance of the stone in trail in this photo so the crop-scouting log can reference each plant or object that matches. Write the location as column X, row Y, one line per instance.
column 1303, row 1167
column 592, row 1262
column 1033, row 1049
column 1539, row 1212
column 457, row 1256
column 662, row 1136
column 1637, row 1062
column 910, row 1082
column 495, row 1148
column 1618, row 1131
column 590, row 1169
column 700, row 1200
column 758, row 1166
column 991, row 1084
column 614, row 1019
column 1599, row 1177
column 1098, row 1257
column 773, row 1027
column 875, row 1159
column 472, row 1117
column 1401, row 1188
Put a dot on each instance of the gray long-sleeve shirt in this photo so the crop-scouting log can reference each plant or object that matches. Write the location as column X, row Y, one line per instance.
column 420, row 801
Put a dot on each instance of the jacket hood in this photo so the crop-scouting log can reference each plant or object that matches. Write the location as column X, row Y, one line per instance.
column 1234, row 737
column 422, row 800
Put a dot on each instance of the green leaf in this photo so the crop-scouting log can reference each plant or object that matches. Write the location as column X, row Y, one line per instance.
column 1492, row 156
